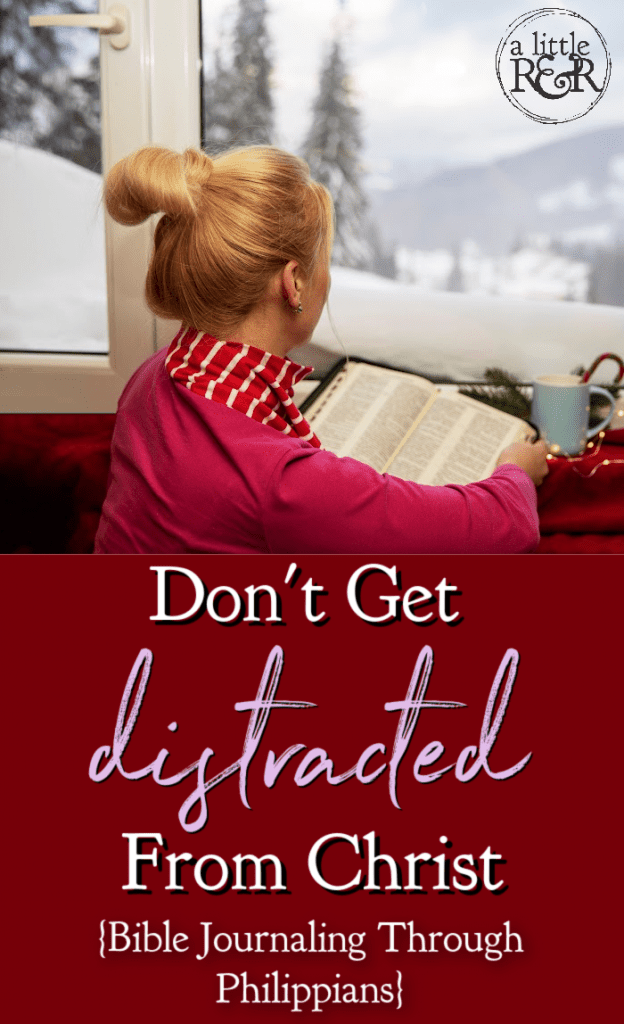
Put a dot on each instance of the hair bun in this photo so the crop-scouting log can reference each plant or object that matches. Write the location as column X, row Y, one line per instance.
column 156, row 180
column 223, row 239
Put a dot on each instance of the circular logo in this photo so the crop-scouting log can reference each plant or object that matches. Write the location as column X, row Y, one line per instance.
column 553, row 65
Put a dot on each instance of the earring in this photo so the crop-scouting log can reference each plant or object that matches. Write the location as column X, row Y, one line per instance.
column 299, row 308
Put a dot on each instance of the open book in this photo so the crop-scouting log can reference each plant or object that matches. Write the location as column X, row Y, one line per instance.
column 403, row 424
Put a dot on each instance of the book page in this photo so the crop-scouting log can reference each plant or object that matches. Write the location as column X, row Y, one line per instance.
column 457, row 441
column 367, row 410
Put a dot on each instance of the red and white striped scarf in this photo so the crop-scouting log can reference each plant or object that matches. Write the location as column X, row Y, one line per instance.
column 256, row 383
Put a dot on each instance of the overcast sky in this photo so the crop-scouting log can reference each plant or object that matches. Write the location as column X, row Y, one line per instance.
column 423, row 76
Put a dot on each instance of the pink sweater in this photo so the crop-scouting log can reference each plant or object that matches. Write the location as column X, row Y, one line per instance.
column 191, row 475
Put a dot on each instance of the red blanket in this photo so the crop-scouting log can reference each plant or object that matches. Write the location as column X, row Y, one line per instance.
column 581, row 503
column 53, row 473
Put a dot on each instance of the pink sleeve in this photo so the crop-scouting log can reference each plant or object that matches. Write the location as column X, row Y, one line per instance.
column 322, row 503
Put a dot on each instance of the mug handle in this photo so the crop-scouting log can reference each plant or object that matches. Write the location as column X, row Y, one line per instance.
column 595, row 390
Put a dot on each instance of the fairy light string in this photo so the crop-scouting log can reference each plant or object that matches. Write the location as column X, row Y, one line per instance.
column 591, row 450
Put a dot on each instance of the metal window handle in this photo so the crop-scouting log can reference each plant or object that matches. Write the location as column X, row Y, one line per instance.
column 116, row 23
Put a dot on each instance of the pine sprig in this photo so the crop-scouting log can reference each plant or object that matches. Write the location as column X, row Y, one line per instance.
column 502, row 391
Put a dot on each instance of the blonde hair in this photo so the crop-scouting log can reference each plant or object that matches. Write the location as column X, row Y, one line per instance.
column 230, row 223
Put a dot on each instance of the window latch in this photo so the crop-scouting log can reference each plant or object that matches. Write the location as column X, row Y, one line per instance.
column 115, row 23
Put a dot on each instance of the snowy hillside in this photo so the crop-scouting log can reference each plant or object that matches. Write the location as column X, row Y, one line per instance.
column 532, row 271
column 572, row 190
column 52, row 269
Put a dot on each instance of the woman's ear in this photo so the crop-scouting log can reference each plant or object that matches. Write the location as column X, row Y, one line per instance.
column 291, row 284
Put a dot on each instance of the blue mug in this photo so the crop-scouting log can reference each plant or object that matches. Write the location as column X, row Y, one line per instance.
column 560, row 410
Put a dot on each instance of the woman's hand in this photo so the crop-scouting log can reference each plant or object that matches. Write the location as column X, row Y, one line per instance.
column 530, row 457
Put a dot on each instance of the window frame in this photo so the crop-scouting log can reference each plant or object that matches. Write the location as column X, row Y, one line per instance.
column 150, row 94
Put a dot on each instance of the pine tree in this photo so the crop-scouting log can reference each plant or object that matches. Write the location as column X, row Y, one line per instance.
column 238, row 109
column 74, row 131
column 455, row 282
column 606, row 282
column 332, row 149
column 44, row 103
column 218, row 107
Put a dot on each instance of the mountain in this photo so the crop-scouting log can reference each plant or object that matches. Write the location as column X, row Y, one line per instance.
column 572, row 190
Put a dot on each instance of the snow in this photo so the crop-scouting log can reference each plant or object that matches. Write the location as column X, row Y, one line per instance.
column 602, row 234
column 534, row 271
column 576, row 196
column 430, row 270
column 459, row 335
column 579, row 195
column 52, row 265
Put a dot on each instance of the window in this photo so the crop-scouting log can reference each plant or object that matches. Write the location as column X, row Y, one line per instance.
column 149, row 94
column 468, row 235
column 432, row 140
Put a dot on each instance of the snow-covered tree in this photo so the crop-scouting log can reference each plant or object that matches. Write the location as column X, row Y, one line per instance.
column 606, row 282
column 45, row 102
column 332, row 149
column 455, row 282
column 238, row 109
column 218, row 106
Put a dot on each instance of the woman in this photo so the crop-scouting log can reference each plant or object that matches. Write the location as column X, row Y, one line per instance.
column 210, row 453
